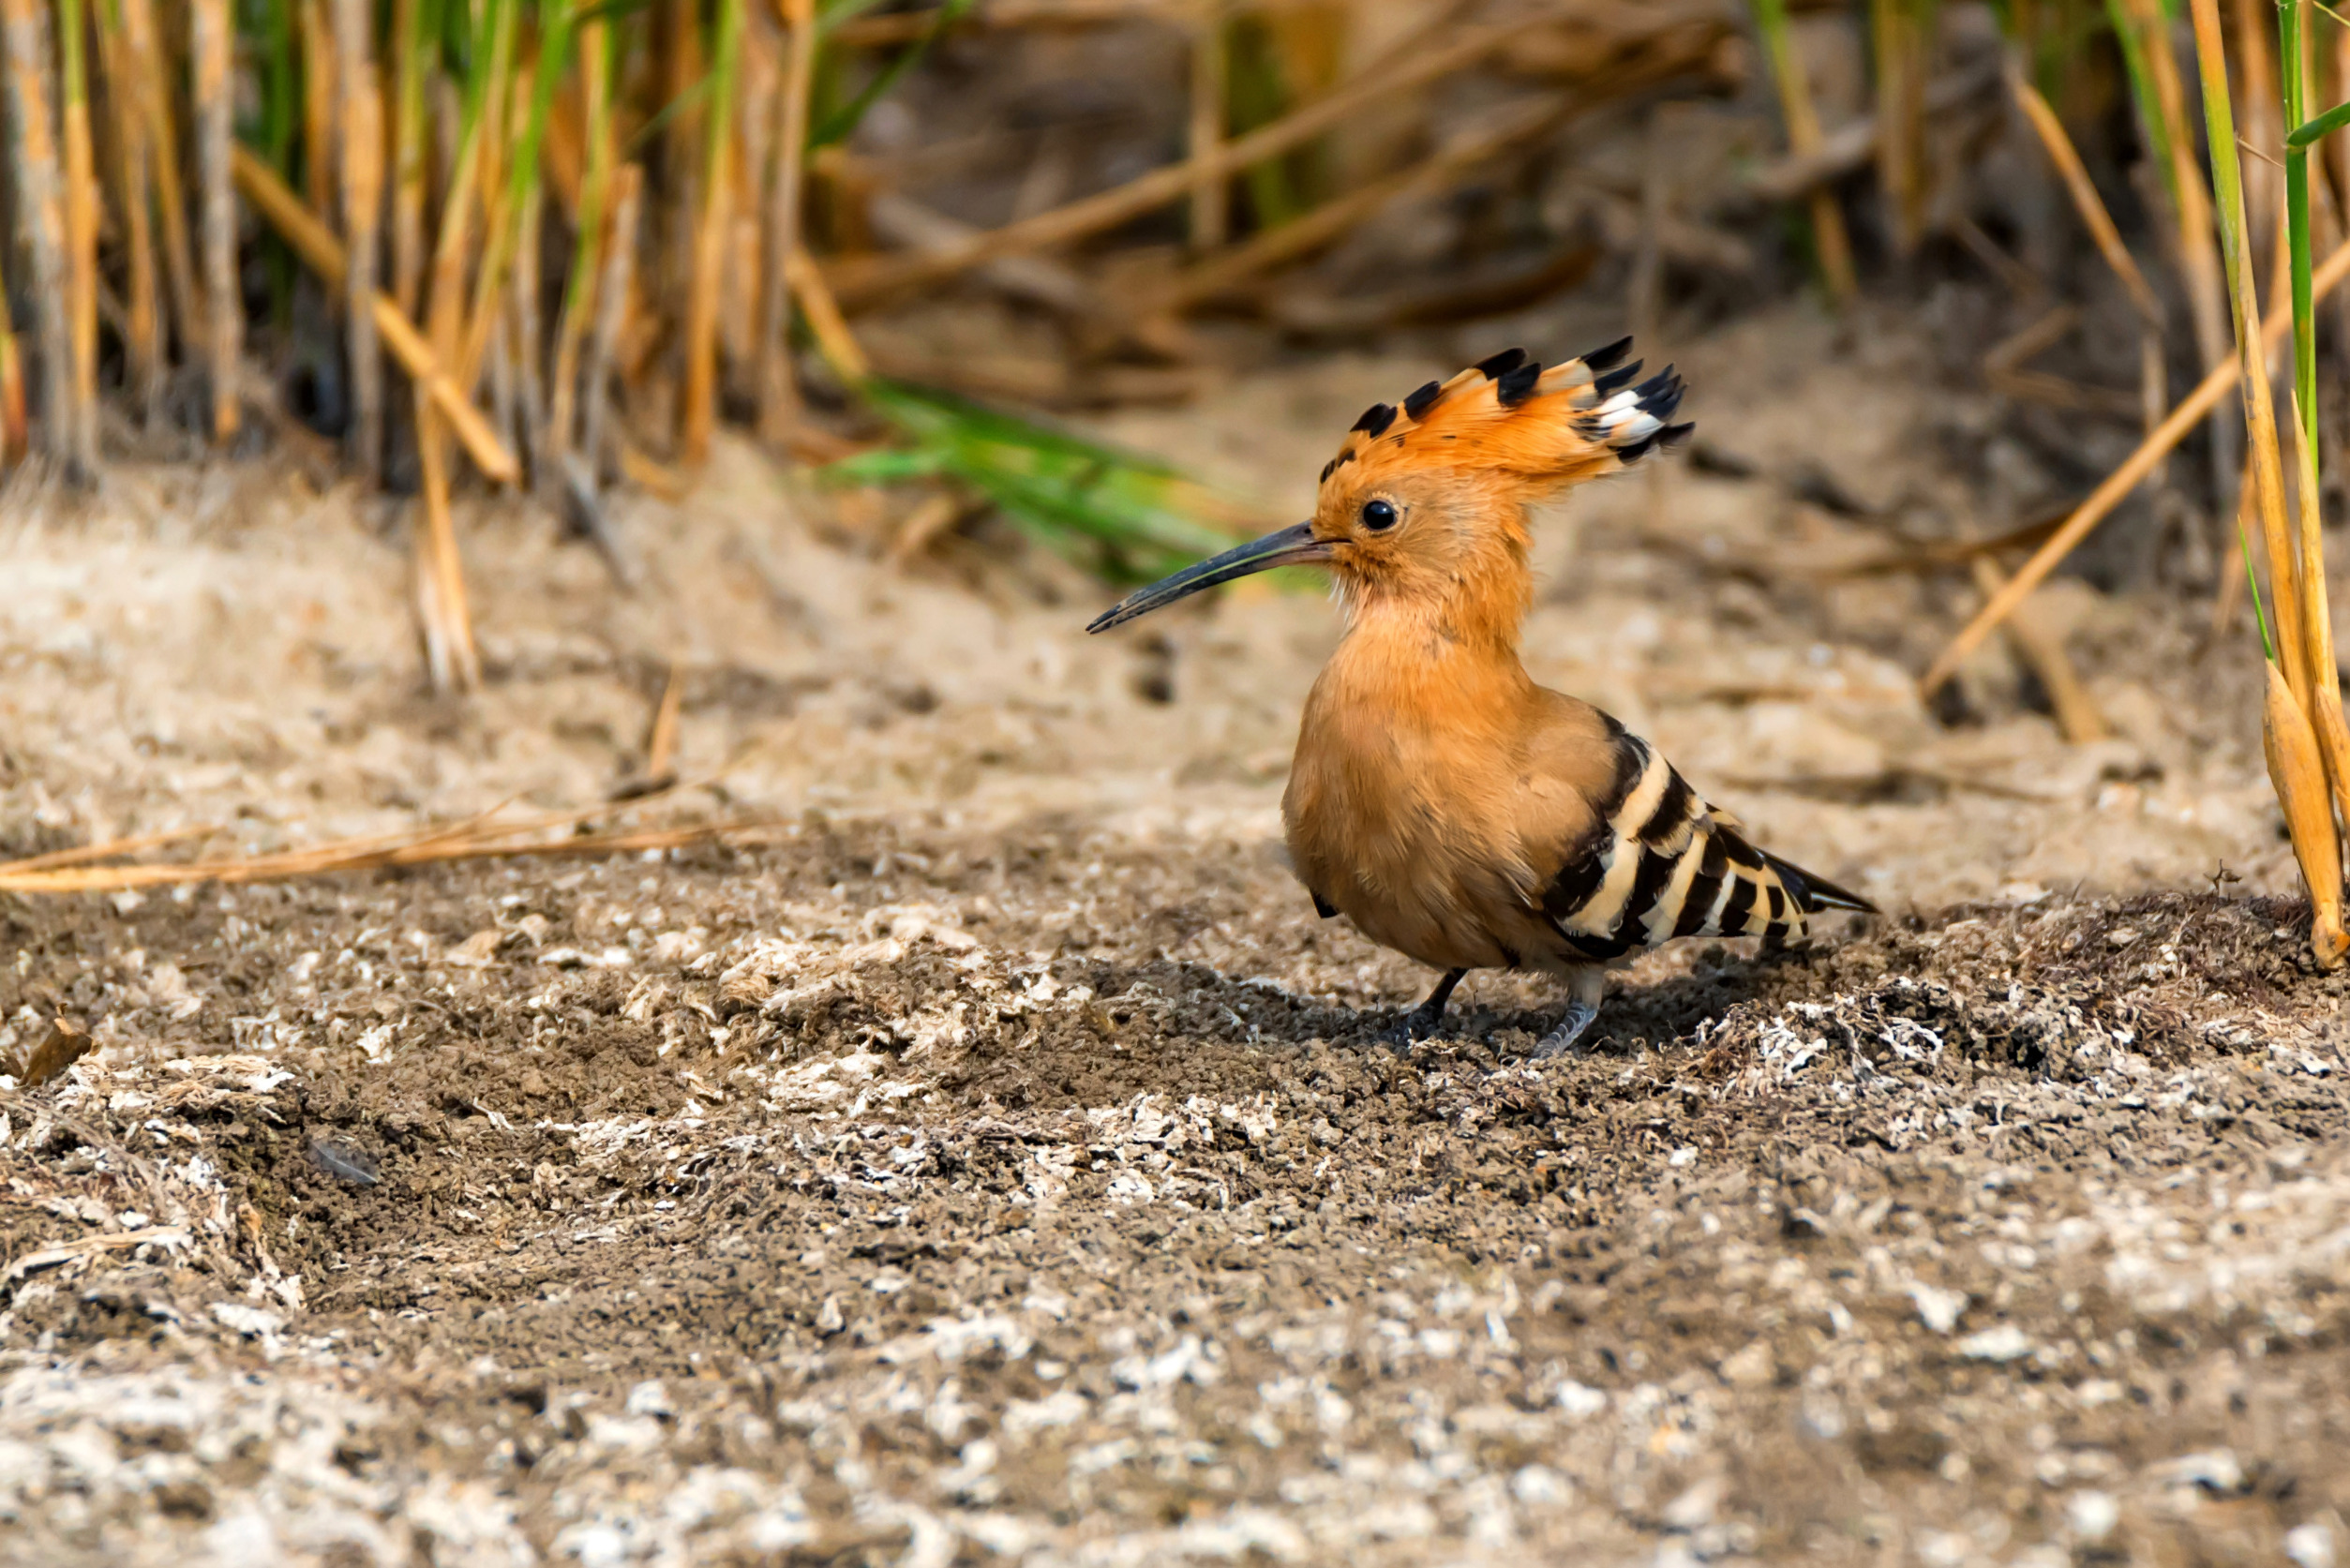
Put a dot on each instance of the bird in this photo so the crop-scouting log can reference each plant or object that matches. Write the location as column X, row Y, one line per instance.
column 1441, row 801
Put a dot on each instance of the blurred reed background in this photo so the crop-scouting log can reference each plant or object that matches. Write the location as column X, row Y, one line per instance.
column 547, row 247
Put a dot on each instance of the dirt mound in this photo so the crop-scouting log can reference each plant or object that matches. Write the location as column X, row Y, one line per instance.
column 893, row 1195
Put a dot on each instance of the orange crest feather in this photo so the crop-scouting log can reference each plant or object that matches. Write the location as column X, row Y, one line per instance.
column 1509, row 418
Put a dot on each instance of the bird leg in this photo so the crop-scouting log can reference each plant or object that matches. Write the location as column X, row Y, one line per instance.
column 1421, row 1021
column 1589, row 985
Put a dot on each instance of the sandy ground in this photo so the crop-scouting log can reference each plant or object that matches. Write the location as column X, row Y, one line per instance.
column 991, row 1158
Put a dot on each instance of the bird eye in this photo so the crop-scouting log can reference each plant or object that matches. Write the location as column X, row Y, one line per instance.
column 1379, row 516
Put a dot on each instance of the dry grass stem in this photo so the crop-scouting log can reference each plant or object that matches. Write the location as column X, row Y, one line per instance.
column 42, row 213
column 2077, row 717
column 213, row 42
column 362, row 202
column 2295, row 768
column 826, row 323
column 859, row 281
column 778, row 396
column 612, row 291
column 2190, row 412
column 81, row 221
column 2086, row 201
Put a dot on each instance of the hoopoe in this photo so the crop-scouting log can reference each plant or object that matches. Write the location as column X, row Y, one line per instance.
column 1441, row 800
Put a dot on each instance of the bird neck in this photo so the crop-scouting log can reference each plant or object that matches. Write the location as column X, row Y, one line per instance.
column 1454, row 652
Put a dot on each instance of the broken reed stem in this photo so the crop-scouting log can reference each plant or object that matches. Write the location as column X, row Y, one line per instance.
column 143, row 338
column 82, row 209
column 214, row 47
column 2191, row 411
column 619, row 257
column 1415, row 60
column 42, row 215
column 1831, row 243
column 362, row 202
column 309, row 238
column 700, row 411
column 779, row 399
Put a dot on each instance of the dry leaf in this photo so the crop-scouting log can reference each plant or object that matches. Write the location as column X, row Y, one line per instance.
column 66, row 1044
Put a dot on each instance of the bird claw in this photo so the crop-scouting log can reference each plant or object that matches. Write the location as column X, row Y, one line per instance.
column 1409, row 1030
column 1562, row 1040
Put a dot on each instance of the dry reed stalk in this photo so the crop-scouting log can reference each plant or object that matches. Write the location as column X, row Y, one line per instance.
column 865, row 279
column 700, row 411
column 213, row 50
column 779, row 399
column 476, row 838
column 450, row 659
column 322, row 87
column 143, row 328
column 409, row 171
column 316, row 244
column 661, row 748
column 530, row 389
column 363, row 204
column 1272, row 247
column 82, row 220
column 2260, row 420
column 13, row 432
column 1831, row 240
column 1898, row 31
column 834, row 341
column 1210, row 210
column 2258, row 124
column 612, row 293
column 2298, row 774
column 2077, row 717
column 2196, row 252
column 109, row 851
column 2191, row 411
column 2058, row 144
column 2153, row 382
column 579, row 287
column 157, row 100
column 42, row 213
column 2333, row 733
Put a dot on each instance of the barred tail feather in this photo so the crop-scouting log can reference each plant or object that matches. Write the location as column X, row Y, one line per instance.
column 1813, row 893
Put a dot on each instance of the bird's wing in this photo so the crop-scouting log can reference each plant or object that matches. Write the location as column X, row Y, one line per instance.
column 1656, row 862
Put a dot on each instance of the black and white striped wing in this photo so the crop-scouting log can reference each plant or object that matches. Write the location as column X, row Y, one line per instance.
column 1660, row 864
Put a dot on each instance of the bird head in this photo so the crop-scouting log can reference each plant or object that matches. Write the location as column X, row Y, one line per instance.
column 1426, row 502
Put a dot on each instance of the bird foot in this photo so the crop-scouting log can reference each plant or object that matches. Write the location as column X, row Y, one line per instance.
column 1413, row 1027
column 1562, row 1040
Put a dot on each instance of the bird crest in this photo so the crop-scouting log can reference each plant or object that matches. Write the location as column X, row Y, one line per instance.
column 1517, row 423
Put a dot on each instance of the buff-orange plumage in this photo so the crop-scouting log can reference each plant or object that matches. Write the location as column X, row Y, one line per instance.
column 1445, row 804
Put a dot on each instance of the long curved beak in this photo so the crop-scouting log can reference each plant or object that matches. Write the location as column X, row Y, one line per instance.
column 1290, row 546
